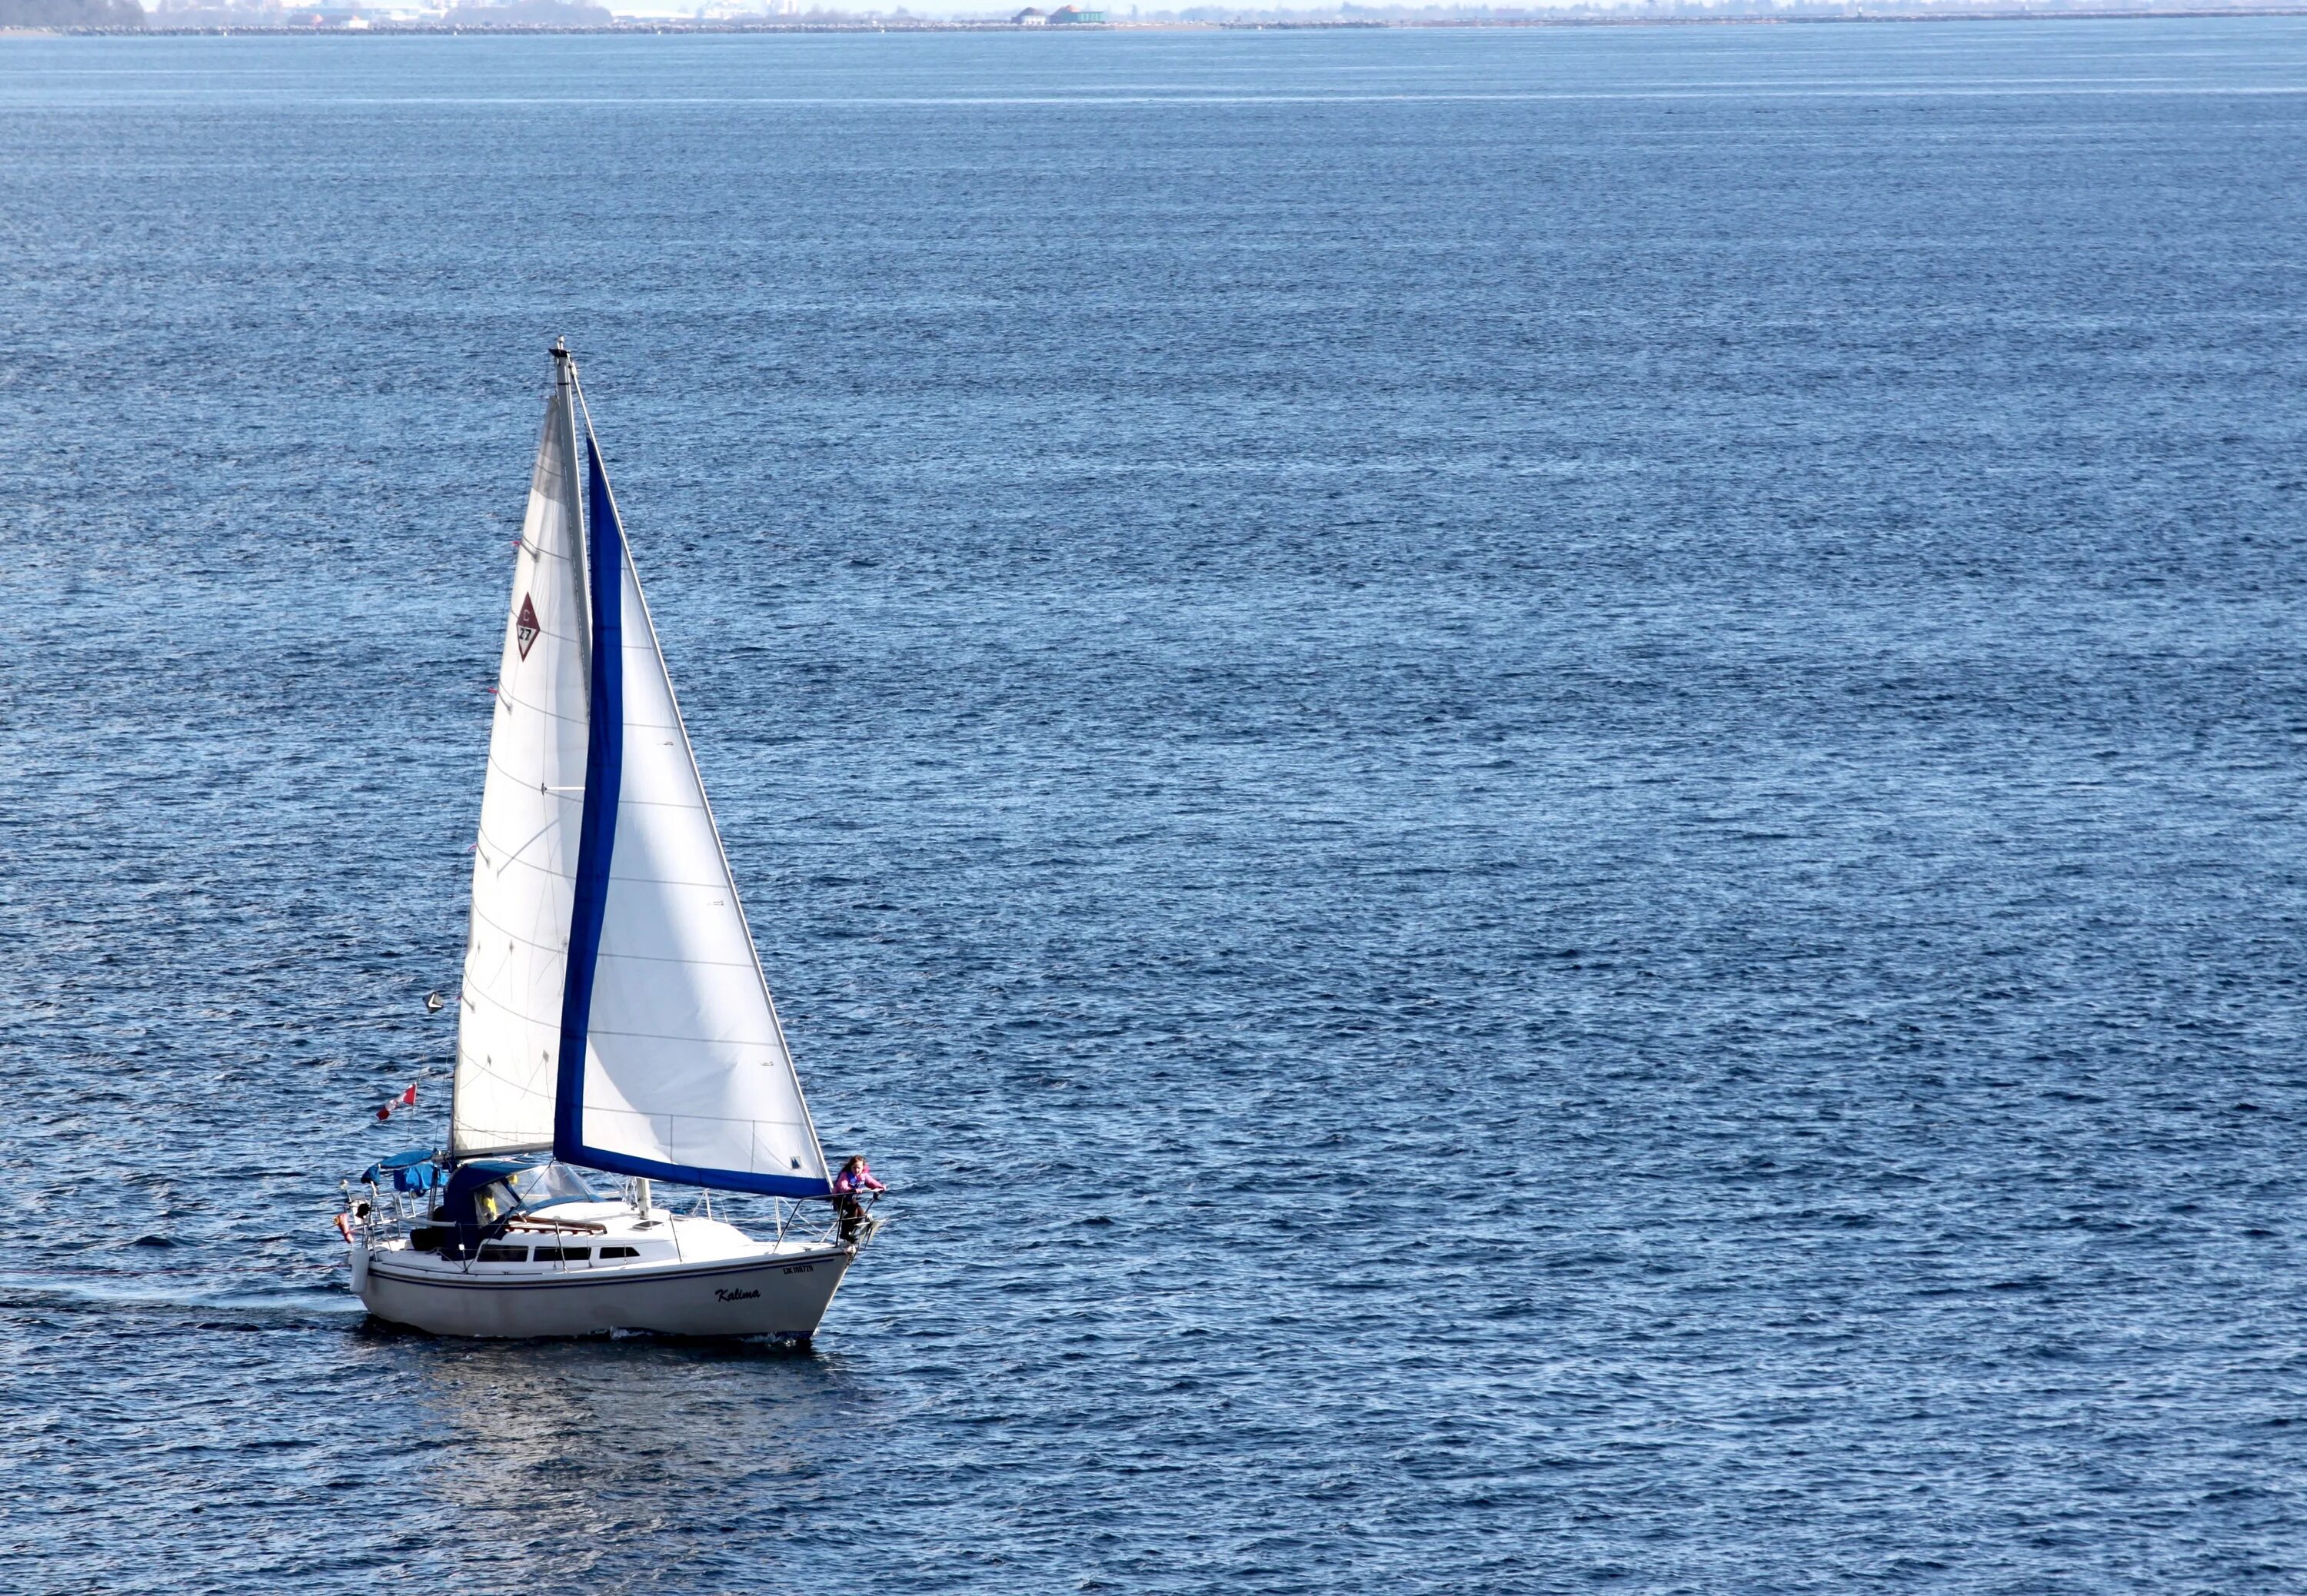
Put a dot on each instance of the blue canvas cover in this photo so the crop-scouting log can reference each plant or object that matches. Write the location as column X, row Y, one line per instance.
column 487, row 1194
column 412, row 1171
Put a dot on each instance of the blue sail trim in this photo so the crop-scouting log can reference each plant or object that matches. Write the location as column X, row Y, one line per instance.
column 604, row 776
column 596, row 836
column 722, row 1179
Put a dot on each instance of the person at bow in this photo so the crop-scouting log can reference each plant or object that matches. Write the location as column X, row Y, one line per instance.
column 849, row 1188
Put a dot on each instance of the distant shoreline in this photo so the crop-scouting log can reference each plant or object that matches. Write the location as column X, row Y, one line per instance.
column 937, row 25
column 655, row 26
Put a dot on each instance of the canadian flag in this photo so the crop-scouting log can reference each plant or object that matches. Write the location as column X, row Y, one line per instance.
column 406, row 1099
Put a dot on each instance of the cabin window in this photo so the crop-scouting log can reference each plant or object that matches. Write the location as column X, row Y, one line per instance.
column 544, row 1183
column 504, row 1255
column 554, row 1255
column 608, row 1252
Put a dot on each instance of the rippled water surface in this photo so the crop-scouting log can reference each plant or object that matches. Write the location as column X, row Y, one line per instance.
column 1540, row 789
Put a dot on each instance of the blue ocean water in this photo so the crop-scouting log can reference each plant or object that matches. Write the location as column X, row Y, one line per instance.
column 1539, row 789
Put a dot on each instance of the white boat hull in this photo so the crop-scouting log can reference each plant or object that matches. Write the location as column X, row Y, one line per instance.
column 773, row 1294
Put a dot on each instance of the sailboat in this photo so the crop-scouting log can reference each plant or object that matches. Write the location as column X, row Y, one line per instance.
column 614, row 1024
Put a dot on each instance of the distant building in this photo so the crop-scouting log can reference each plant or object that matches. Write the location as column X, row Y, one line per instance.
column 1075, row 13
column 1030, row 18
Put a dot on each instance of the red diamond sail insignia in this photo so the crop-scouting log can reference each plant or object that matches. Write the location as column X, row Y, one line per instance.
column 525, row 629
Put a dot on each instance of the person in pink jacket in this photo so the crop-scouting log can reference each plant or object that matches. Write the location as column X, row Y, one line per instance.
column 855, row 1179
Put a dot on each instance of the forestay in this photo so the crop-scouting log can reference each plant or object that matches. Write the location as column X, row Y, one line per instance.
column 673, row 1064
column 525, row 862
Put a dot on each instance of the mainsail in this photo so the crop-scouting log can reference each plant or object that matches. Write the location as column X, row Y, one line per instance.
column 664, row 1056
column 524, row 861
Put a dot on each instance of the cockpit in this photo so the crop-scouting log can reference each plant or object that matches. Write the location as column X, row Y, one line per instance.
column 485, row 1195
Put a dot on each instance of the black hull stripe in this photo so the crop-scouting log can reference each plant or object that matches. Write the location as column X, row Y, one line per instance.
column 599, row 1277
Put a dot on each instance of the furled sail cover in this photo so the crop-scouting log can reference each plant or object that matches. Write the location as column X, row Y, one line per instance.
column 672, row 1063
column 525, row 863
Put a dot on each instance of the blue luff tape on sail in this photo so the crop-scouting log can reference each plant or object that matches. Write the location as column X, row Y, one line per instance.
column 596, row 831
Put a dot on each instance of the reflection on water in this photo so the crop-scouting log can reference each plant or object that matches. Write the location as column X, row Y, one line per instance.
column 525, row 1401
column 584, row 1453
